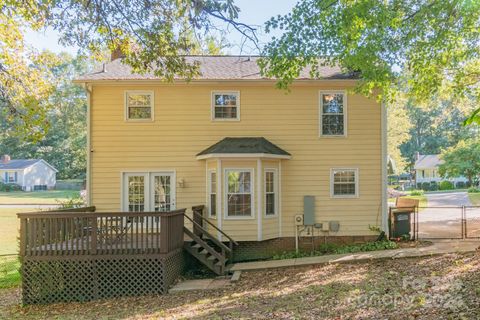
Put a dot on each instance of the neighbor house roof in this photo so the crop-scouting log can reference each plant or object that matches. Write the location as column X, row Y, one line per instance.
column 244, row 146
column 427, row 161
column 19, row 164
column 211, row 68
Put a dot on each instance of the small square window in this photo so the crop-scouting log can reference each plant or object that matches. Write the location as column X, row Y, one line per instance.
column 139, row 105
column 225, row 106
column 344, row 183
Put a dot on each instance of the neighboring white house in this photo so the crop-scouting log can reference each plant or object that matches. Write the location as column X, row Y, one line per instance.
column 426, row 169
column 30, row 174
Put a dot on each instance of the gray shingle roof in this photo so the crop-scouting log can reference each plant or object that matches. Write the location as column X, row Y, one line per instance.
column 428, row 161
column 211, row 68
column 17, row 164
column 244, row 145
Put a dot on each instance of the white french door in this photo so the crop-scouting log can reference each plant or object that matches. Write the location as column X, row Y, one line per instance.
column 151, row 191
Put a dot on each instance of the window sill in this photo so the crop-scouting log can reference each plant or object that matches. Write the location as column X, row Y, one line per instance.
column 238, row 218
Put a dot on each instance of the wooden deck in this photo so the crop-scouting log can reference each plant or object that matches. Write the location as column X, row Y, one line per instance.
column 81, row 233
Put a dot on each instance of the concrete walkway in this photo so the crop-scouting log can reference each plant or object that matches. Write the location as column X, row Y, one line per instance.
column 438, row 247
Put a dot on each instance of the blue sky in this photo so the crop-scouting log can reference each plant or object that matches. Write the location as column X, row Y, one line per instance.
column 253, row 12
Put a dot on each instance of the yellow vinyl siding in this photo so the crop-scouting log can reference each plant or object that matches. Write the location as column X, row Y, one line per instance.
column 183, row 127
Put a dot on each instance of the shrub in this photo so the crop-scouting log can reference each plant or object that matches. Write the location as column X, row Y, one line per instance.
column 9, row 187
column 426, row 186
column 417, row 192
column 330, row 248
column 460, row 185
column 446, row 185
column 433, row 186
column 473, row 190
column 468, row 184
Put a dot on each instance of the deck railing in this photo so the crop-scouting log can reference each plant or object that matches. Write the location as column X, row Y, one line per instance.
column 83, row 232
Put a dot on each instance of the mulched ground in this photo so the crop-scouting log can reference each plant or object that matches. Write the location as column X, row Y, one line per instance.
column 440, row 287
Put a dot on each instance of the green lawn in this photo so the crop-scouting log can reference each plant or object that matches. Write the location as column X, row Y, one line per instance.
column 474, row 198
column 9, row 225
column 39, row 197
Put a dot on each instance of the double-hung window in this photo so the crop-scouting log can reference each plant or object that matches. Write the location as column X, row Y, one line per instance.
column 10, row 177
column 239, row 193
column 344, row 183
column 226, row 105
column 270, row 192
column 212, row 194
column 139, row 105
column 333, row 113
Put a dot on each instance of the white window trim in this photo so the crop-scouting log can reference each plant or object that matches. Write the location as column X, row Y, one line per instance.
column 320, row 113
column 152, row 105
column 148, row 186
column 357, row 193
column 209, row 193
column 12, row 173
column 275, row 192
column 225, row 194
column 212, row 104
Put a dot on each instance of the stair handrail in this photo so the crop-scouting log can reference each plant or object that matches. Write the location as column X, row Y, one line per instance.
column 195, row 211
column 205, row 246
column 210, row 236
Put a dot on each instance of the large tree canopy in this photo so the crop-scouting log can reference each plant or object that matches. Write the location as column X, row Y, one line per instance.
column 151, row 34
column 423, row 47
column 462, row 160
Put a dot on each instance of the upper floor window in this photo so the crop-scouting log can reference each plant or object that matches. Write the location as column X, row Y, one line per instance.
column 139, row 105
column 226, row 105
column 333, row 113
column 344, row 183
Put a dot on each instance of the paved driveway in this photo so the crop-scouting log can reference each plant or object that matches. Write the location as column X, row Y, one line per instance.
column 448, row 199
column 443, row 216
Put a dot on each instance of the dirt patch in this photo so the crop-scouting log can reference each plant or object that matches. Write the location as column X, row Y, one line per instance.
column 439, row 287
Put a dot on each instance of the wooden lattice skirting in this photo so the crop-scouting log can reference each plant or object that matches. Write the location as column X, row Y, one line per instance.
column 84, row 278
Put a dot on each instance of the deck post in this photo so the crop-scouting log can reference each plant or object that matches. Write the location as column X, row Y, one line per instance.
column 93, row 235
column 23, row 236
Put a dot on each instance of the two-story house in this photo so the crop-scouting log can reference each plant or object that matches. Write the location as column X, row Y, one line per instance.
column 255, row 155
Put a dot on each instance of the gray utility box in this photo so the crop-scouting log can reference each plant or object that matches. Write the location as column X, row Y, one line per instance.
column 401, row 223
column 309, row 210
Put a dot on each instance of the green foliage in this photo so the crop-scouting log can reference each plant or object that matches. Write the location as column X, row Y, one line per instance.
column 473, row 190
column 330, row 248
column 446, row 185
column 153, row 36
column 9, row 271
column 460, row 185
column 462, row 160
column 426, row 186
column 417, row 192
column 9, row 187
column 420, row 47
column 434, row 186
column 75, row 201
column 64, row 144
column 436, row 125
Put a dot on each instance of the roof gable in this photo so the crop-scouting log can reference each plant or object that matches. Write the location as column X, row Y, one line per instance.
column 427, row 161
column 20, row 164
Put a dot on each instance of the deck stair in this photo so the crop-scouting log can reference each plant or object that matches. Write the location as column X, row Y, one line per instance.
column 206, row 247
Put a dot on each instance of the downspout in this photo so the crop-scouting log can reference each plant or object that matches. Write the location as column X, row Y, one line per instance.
column 88, row 90
column 384, row 205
